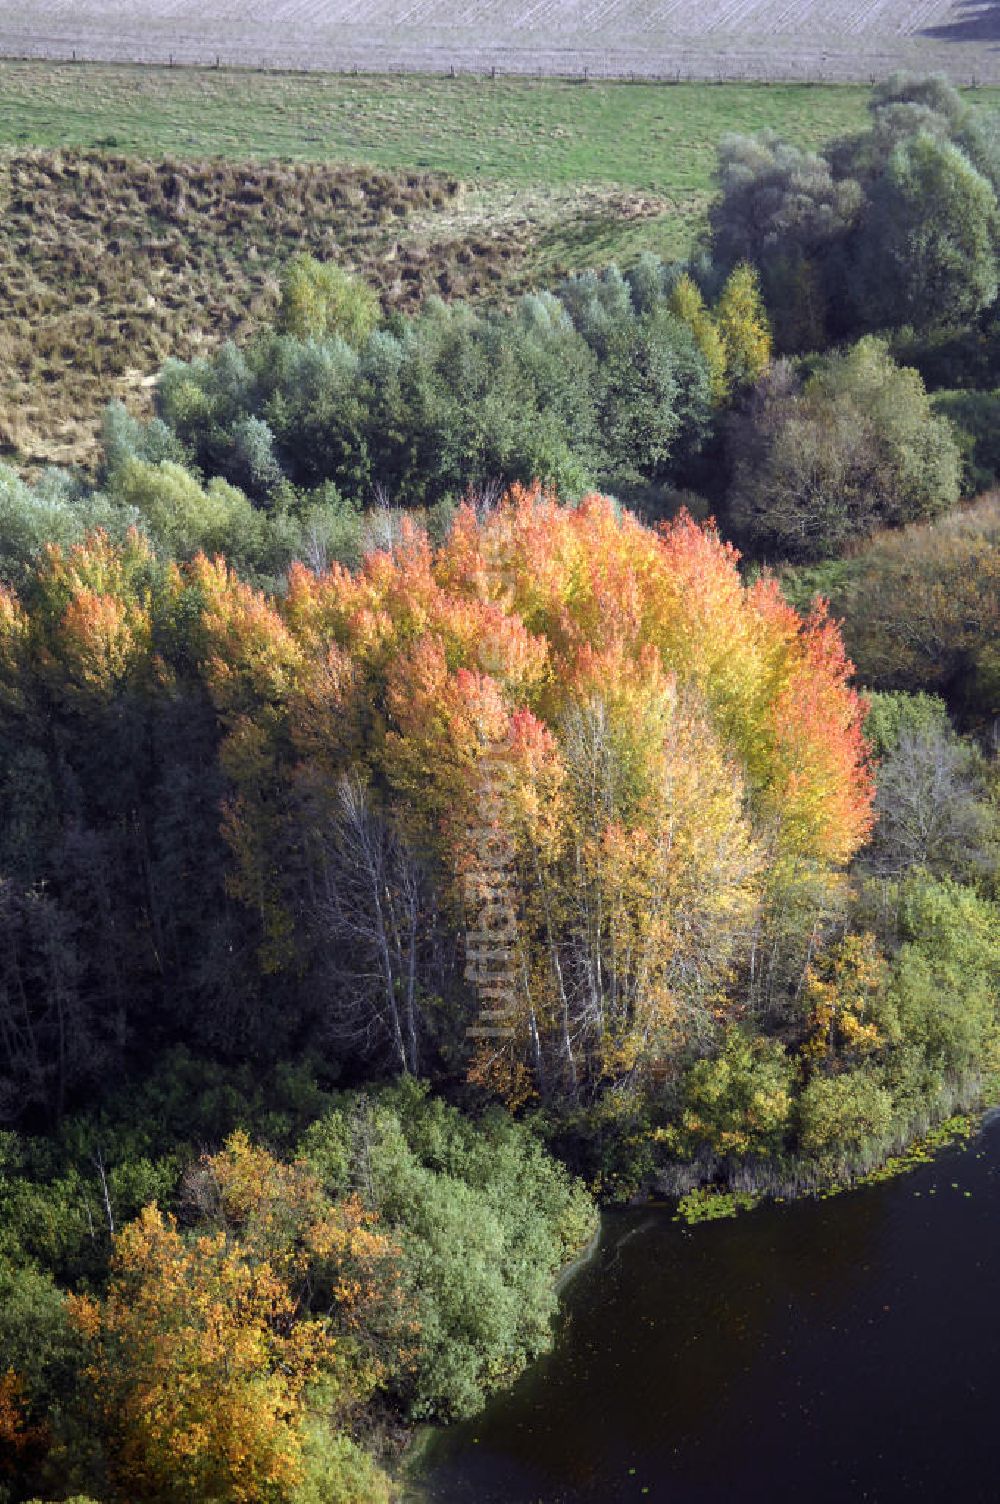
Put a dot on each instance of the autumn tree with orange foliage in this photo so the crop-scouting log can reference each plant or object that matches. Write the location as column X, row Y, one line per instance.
column 678, row 758
column 19, row 1439
column 677, row 750
column 215, row 1353
column 199, row 1369
column 339, row 1265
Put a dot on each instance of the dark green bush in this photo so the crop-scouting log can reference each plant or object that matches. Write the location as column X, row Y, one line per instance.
column 823, row 463
column 975, row 417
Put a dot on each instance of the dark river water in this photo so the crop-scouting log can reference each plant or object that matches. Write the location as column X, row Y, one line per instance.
column 837, row 1350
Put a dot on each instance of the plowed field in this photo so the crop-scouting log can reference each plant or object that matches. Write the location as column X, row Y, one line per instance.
column 835, row 40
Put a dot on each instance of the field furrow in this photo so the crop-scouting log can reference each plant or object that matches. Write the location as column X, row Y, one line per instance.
column 741, row 39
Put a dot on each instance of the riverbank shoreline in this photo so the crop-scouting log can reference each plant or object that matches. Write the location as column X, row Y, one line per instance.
column 413, row 1449
column 701, row 1363
column 750, row 1185
column 775, row 1183
column 577, row 1262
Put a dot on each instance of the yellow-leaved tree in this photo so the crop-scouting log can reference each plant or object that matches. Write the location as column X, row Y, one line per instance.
column 227, row 1363
column 742, row 322
column 199, row 1369
column 688, row 304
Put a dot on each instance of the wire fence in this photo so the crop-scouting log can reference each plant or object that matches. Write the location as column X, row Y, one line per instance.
column 831, row 68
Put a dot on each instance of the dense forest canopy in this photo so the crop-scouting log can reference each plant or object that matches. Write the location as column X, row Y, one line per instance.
column 668, row 756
